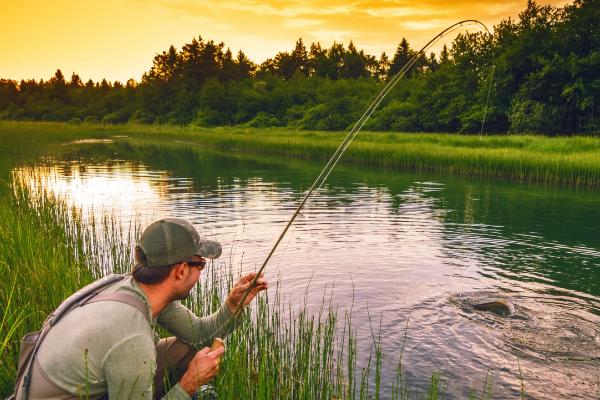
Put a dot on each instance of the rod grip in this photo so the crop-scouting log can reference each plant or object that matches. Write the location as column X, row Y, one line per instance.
column 217, row 342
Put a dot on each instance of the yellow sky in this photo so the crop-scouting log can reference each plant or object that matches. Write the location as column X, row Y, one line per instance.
column 117, row 39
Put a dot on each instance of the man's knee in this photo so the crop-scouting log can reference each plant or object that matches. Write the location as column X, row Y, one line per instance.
column 173, row 353
column 172, row 359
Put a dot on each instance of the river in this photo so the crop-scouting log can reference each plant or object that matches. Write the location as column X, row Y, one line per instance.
column 412, row 251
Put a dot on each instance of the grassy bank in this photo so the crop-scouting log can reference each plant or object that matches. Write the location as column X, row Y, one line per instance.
column 564, row 160
column 47, row 252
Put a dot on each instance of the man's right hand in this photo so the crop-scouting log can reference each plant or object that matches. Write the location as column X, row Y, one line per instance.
column 203, row 367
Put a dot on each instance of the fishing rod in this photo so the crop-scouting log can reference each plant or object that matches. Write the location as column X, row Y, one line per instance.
column 320, row 180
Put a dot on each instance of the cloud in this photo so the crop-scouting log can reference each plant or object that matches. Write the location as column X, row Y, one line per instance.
column 424, row 25
column 330, row 35
column 400, row 12
column 301, row 22
column 290, row 9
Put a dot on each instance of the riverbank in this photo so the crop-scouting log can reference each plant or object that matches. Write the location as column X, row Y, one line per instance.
column 555, row 160
column 187, row 157
column 48, row 251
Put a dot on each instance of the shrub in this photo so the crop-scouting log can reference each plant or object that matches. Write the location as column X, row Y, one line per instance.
column 528, row 116
column 263, row 120
column 113, row 118
column 142, row 117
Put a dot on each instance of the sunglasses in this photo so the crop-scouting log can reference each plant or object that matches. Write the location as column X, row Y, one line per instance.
column 199, row 264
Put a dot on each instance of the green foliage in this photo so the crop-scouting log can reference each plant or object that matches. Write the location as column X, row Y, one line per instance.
column 263, row 120
column 527, row 116
column 114, row 118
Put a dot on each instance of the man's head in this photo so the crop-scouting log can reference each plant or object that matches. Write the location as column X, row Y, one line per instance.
column 172, row 248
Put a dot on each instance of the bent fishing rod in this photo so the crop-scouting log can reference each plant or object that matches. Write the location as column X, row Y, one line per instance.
column 320, row 180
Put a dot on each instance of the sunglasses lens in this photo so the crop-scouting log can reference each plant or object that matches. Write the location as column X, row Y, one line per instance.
column 200, row 264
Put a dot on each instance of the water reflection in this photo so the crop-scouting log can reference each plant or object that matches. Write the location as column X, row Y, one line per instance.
column 123, row 188
column 397, row 245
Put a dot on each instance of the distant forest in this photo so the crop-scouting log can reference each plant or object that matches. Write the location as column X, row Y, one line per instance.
column 546, row 80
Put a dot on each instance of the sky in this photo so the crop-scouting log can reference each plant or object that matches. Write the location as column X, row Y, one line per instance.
column 117, row 39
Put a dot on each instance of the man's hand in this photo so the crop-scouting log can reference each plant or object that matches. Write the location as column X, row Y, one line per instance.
column 203, row 367
column 236, row 294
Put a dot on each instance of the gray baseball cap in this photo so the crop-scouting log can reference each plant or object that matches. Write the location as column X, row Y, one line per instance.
column 172, row 240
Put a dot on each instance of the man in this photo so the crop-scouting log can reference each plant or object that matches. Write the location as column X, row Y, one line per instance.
column 110, row 348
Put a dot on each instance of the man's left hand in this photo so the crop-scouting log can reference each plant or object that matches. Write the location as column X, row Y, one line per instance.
column 238, row 290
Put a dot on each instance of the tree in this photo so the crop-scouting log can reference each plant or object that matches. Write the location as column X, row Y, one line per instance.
column 444, row 55
column 163, row 66
column 383, row 67
column 300, row 57
column 58, row 86
column 246, row 67
column 287, row 64
column 319, row 64
column 355, row 64
column 75, row 81
column 401, row 58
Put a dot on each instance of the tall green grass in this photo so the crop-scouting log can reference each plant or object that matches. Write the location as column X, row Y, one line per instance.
column 561, row 160
column 39, row 267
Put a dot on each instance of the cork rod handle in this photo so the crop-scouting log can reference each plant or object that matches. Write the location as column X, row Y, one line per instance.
column 218, row 342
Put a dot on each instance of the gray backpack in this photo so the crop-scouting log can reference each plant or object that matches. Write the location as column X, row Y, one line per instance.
column 89, row 294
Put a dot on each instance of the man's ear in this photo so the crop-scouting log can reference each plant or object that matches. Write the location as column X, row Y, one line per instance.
column 180, row 271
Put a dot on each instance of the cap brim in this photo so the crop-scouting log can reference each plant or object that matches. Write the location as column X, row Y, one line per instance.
column 209, row 249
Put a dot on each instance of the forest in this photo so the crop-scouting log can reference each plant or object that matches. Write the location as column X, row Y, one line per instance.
column 543, row 67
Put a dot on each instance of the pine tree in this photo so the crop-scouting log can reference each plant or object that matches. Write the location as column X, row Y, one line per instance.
column 383, row 67
column 401, row 58
column 58, row 86
column 75, row 81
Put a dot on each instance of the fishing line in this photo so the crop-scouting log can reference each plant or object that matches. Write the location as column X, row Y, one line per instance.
column 324, row 174
column 487, row 99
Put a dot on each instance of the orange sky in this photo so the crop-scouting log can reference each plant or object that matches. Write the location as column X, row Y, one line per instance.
column 117, row 39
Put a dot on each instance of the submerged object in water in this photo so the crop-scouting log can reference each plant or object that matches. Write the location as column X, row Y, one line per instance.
column 490, row 302
column 533, row 326
column 499, row 307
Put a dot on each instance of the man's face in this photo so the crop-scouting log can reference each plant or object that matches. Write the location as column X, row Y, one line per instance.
column 191, row 277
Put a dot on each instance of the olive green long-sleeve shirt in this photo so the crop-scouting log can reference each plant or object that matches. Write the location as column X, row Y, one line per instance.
column 108, row 347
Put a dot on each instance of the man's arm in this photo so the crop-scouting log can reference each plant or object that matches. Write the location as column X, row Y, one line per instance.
column 197, row 332
column 200, row 332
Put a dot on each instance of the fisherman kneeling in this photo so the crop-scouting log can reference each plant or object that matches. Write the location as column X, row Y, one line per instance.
column 106, row 345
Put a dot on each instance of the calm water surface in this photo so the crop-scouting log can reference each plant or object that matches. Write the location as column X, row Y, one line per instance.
column 412, row 251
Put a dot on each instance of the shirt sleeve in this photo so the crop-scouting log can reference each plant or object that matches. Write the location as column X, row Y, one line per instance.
column 130, row 366
column 195, row 331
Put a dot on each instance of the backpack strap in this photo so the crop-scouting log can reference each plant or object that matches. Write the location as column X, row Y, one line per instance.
column 128, row 299
column 83, row 294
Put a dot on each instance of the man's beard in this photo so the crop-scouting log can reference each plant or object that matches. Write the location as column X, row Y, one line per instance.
column 182, row 295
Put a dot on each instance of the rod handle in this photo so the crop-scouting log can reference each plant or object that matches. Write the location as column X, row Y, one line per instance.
column 217, row 342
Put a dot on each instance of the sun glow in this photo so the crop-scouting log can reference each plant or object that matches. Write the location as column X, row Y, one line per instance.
column 117, row 39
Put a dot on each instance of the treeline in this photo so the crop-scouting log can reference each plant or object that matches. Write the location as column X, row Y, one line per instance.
column 545, row 67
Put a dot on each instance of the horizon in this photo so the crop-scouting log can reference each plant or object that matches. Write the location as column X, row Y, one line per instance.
column 117, row 40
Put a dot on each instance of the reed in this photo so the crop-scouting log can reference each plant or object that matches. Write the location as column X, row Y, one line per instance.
column 554, row 160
